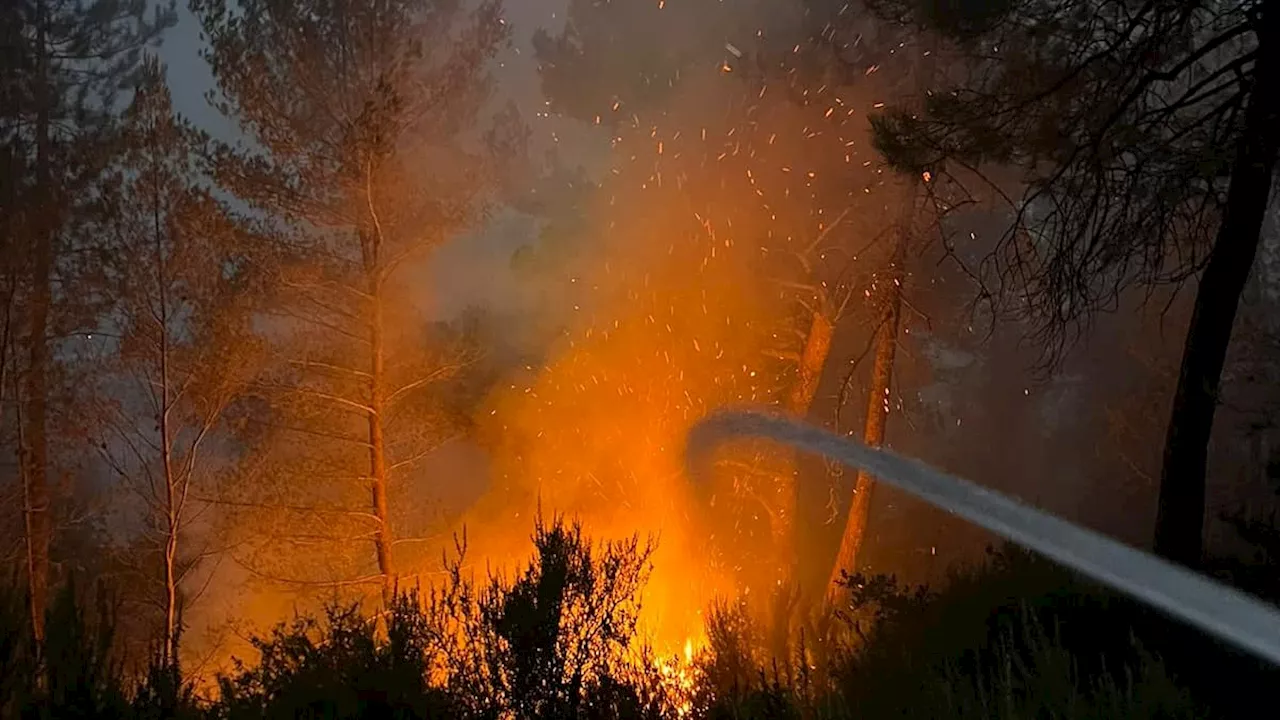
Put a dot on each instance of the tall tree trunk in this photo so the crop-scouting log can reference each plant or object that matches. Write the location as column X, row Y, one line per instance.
column 812, row 364
column 36, row 452
column 886, row 349
column 171, row 610
column 166, row 443
column 377, row 453
column 813, row 361
column 1180, row 512
column 172, row 521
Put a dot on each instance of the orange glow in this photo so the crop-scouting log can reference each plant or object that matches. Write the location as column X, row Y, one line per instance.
column 706, row 256
column 672, row 307
column 679, row 677
column 598, row 432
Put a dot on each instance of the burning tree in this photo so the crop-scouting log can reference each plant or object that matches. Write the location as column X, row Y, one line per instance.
column 358, row 115
column 857, row 45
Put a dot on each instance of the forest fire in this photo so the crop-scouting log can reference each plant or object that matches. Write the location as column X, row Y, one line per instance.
column 712, row 272
column 305, row 476
column 598, row 433
column 679, row 678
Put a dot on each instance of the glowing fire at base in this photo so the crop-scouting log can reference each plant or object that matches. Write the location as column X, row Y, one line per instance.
column 679, row 679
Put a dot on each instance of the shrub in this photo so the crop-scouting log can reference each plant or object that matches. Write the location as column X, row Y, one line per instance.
column 557, row 640
column 338, row 667
column 1014, row 638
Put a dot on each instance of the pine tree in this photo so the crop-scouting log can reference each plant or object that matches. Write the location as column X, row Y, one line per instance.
column 184, row 350
column 69, row 61
column 357, row 117
column 1147, row 138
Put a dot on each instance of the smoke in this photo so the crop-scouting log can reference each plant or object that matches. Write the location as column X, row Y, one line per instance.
column 670, row 301
column 667, row 299
column 658, row 323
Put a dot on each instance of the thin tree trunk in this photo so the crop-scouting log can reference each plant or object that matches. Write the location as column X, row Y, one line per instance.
column 170, row 545
column 377, row 402
column 166, row 444
column 886, row 349
column 171, row 588
column 1181, row 504
column 377, row 454
column 36, row 451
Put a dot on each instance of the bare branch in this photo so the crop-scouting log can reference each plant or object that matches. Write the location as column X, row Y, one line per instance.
column 431, row 377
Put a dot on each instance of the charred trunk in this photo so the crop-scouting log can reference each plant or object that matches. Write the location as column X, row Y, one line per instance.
column 812, row 361
column 1181, row 504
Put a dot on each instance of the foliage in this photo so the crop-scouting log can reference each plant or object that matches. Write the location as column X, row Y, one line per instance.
column 1014, row 638
column 1123, row 139
column 553, row 641
column 338, row 668
column 164, row 694
column 64, row 63
column 1006, row 639
column 1146, row 143
column 363, row 159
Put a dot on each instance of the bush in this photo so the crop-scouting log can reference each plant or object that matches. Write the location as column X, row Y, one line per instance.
column 555, row 642
column 338, row 668
column 1016, row 637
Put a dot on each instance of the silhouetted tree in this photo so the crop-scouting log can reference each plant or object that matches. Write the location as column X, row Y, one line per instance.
column 1146, row 137
column 74, row 671
column 554, row 641
column 338, row 667
column 65, row 61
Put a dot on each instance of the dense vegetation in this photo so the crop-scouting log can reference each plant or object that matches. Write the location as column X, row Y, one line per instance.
column 223, row 374
column 1014, row 638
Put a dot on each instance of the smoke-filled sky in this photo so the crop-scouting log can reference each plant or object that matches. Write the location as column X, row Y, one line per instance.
column 473, row 270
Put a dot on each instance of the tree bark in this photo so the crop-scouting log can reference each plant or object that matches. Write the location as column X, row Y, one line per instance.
column 166, row 441
column 35, row 416
column 377, row 453
column 813, row 360
column 1181, row 505
column 886, row 349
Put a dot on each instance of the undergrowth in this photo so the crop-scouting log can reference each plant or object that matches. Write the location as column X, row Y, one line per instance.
column 1012, row 638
